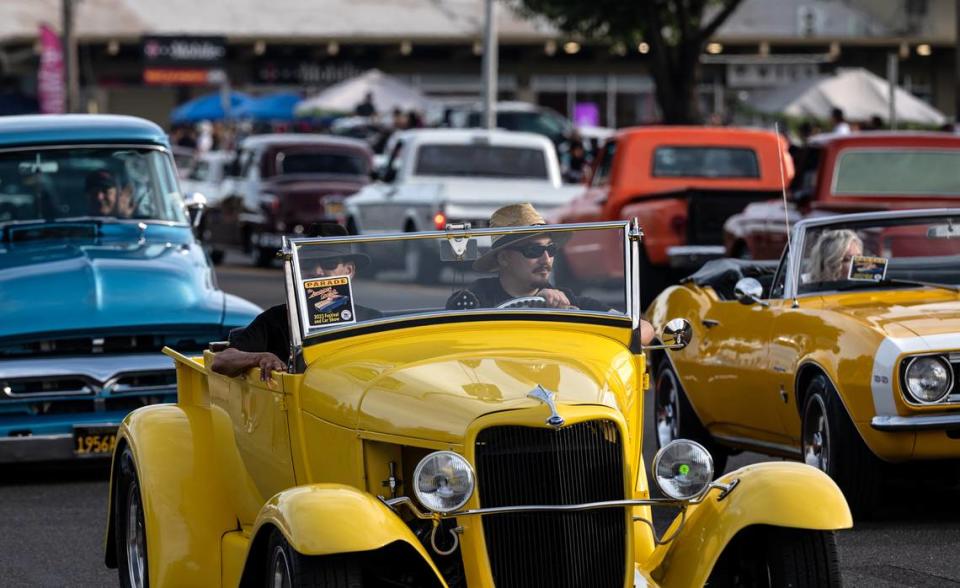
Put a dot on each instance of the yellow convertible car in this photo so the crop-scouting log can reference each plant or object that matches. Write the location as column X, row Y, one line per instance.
column 451, row 435
column 844, row 354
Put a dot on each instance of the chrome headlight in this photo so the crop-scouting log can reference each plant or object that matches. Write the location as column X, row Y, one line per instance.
column 683, row 469
column 443, row 481
column 928, row 379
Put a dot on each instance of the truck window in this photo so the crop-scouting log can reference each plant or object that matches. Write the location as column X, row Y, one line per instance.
column 486, row 161
column 601, row 176
column 705, row 162
column 904, row 172
column 318, row 162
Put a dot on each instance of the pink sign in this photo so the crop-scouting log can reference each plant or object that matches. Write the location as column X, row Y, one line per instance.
column 50, row 85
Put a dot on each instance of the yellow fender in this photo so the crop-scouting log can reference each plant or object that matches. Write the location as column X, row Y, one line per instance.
column 326, row 519
column 774, row 493
column 176, row 486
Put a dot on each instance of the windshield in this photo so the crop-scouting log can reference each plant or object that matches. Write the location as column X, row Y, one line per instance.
column 705, row 162
column 485, row 161
column 105, row 182
column 306, row 162
column 881, row 254
column 903, row 172
column 344, row 282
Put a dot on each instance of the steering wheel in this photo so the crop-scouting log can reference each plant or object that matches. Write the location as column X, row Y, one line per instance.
column 524, row 302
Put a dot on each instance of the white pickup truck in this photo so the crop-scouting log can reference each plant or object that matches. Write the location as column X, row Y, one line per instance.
column 433, row 177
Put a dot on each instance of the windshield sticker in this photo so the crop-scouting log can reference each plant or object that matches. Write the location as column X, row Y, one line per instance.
column 329, row 301
column 868, row 269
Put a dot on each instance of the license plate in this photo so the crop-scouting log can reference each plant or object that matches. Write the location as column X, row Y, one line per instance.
column 94, row 441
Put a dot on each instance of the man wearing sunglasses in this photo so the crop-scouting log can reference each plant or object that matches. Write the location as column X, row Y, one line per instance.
column 267, row 338
column 523, row 265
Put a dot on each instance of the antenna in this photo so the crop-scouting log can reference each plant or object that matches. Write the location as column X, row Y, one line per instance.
column 783, row 192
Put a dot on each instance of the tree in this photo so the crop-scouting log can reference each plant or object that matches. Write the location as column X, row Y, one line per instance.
column 675, row 30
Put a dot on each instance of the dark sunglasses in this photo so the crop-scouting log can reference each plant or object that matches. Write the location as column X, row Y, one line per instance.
column 534, row 251
column 330, row 263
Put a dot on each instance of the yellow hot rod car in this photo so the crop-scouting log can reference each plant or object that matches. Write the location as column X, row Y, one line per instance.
column 427, row 442
column 844, row 354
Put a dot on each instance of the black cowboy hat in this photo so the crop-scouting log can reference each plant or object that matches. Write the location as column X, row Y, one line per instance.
column 321, row 251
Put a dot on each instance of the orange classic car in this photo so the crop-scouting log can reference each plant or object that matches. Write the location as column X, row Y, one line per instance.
column 682, row 183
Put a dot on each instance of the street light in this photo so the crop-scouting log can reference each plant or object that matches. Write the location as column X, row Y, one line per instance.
column 714, row 48
column 571, row 47
column 924, row 50
column 643, row 47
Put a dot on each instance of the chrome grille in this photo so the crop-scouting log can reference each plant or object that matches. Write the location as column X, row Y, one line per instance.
column 575, row 464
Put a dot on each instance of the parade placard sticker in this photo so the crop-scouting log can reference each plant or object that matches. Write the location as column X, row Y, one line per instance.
column 868, row 269
column 329, row 301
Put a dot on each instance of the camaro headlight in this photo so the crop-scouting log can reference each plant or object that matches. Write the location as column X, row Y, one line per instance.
column 443, row 481
column 928, row 378
column 683, row 469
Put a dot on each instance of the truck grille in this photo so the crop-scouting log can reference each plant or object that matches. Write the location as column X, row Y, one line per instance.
column 572, row 465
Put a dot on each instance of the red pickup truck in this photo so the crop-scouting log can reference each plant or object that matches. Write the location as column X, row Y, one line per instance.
column 682, row 183
column 859, row 172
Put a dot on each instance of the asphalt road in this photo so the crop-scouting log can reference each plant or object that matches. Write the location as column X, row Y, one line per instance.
column 52, row 518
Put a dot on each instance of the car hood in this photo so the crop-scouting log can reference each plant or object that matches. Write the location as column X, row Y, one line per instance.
column 903, row 313
column 435, row 388
column 128, row 277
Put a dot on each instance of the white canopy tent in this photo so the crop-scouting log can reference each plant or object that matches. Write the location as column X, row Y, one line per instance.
column 388, row 93
column 859, row 93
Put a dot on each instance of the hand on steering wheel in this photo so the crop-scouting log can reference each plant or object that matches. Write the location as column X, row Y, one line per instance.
column 524, row 302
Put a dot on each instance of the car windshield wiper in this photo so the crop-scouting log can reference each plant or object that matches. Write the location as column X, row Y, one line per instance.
column 897, row 282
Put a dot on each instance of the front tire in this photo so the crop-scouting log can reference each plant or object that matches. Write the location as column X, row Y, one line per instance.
column 130, row 530
column 286, row 568
column 777, row 557
column 674, row 417
column 831, row 443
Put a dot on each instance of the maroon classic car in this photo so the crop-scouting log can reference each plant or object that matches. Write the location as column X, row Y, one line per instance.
column 280, row 185
column 859, row 172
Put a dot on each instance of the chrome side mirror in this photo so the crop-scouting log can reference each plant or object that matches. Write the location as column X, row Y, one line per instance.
column 195, row 202
column 749, row 291
column 676, row 334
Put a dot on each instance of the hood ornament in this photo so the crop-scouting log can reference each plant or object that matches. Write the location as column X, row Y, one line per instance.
column 549, row 398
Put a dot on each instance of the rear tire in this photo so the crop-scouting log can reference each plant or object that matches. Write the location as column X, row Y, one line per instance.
column 674, row 417
column 130, row 528
column 286, row 568
column 831, row 443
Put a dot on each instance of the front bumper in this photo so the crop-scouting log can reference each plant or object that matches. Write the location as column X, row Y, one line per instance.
column 36, row 448
column 931, row 422
column 693, row 256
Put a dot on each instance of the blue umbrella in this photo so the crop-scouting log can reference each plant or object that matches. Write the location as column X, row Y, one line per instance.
column 208, row 107
column 272, row 107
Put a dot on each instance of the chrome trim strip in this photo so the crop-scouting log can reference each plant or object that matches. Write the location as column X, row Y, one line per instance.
column 794, row 451
column 95, row 366
column 924, row 422
column 683, row 250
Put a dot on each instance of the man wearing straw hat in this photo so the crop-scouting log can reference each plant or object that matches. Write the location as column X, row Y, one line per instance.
column 267, row 338
column 523, row 264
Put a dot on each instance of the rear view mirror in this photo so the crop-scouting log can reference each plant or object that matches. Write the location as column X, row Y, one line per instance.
column 748, row 291
column 31, row 168
column 459, row 249
column 676, row 334
column 195, row 202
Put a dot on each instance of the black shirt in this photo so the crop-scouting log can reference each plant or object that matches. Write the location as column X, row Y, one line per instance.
column 489, row 293
column 270, row 331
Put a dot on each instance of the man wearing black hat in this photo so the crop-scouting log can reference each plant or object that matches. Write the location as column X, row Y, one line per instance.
column 105, row 197
column 267, row 338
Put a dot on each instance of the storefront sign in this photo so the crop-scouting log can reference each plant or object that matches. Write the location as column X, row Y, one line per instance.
column 182, row 60
column 304, row 72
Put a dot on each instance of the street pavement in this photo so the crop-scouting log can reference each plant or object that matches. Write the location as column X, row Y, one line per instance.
column 52, row 518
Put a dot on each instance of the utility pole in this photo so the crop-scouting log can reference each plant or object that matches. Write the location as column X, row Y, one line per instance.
column 893, row 61
column 490, row 65
column 71, row 73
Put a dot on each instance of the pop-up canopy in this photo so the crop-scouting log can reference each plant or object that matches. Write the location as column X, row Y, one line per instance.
column 388, row 93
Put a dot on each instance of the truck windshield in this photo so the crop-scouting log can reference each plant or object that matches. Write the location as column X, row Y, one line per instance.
column 902, row 172
column 103, row 182
column 346, row 281
column 485, row 161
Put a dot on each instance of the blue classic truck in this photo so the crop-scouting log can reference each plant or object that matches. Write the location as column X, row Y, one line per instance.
column 99, row 270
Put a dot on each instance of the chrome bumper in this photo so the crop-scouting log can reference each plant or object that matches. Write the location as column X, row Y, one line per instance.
column 33, row 448
column 916, row 423
column 686, row 256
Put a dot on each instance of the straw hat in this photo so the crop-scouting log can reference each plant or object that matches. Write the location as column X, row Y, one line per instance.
column 513, row 215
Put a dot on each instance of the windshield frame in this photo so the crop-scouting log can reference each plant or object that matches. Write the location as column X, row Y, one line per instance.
column 110, row 145
column 800, row 230
column 292, row 275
